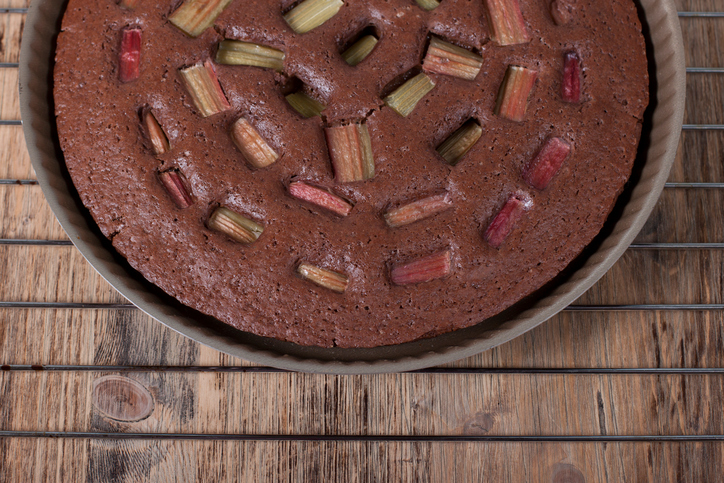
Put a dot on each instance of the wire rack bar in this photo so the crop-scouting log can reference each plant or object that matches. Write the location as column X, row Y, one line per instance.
column 671, row 185
column 570, row 308
column 701, row 14
column 20, row 241
column 696, row 185
column 653, row 371
column 635, row 246
column 689, row 70
column 382, row 438
column 702, row 127
column 19, row 181
column 677, row 246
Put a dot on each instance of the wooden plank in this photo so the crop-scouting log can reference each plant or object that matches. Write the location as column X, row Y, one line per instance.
column 45, row 274
column 394, row 404
column 698, row 5
column 699, row 158
column 27, row 215
column 44, row 460
column 9, row 100
column 11, row 29
column 705, row 97
column 661, row 277
column 597, row 340
column 685, row 216
column 14, row 157
column 703, row 37
column 14, row 3
column 231, row 461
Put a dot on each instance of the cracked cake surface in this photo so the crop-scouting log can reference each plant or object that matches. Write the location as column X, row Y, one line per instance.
column 359, row 225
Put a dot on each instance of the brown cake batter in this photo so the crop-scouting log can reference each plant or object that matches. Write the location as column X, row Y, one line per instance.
column 255, row 287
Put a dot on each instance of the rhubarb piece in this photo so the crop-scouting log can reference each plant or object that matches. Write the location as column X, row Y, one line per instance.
column 236, row 52
column 424, row 269
column 448, row 59
column 506, row 21
column 310, row 14
column 203, row 85
column 234, row 225
column 195, row 16
column 514, row 91
column 128, row 4
column 418, row 210
column 305, row 105
column 504, row 222
column 159, row 140
column 254, row 148
column 546, row 163
column 454, row 148
column 404, row 99
column 428, row 4
column 350, row 150
column 176, row 188
column 319, row 197
column 560, row 12
column 360, row 50
column 334, row 281
column 129, row 60
column 571, row 85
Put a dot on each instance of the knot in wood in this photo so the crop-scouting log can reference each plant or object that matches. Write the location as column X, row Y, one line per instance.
column 122, row 398
column 567, row 473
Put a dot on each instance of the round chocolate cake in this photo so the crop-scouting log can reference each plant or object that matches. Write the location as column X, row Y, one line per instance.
column 350, row 173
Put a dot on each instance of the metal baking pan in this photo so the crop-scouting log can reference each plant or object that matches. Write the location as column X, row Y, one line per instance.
column 656, row 154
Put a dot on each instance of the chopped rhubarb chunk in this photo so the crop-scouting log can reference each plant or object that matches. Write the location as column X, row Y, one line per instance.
column 454, row 148
column 129, row 60
column 236, row 52
column 254, row 148
column 546, row 163
column 176, row 188
column 571, row 85
column 360, row 50
column 319, row 197
column 350, row 150
column 504, row 222
column 514, row 92
column 159, row 140
column 203, row 85
column 310, row 14
column 236, row 226
column 428, row 4
column 334, row 281
column 434, row 266
column 404, row 99
column 418, row 210
column 195, row 16
column 304, row 104
column 448, row 59
column 507, row 22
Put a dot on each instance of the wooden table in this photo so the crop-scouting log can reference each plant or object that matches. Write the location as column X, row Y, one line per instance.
column 629, row 391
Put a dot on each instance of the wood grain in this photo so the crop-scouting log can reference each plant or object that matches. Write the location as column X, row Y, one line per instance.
column 595, row 340
column 525, row 387
column 227, row 461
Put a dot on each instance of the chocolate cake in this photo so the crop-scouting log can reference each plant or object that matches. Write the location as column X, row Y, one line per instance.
column 350, row 173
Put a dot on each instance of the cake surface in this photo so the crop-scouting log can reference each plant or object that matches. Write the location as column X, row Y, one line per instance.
column 256, row 287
